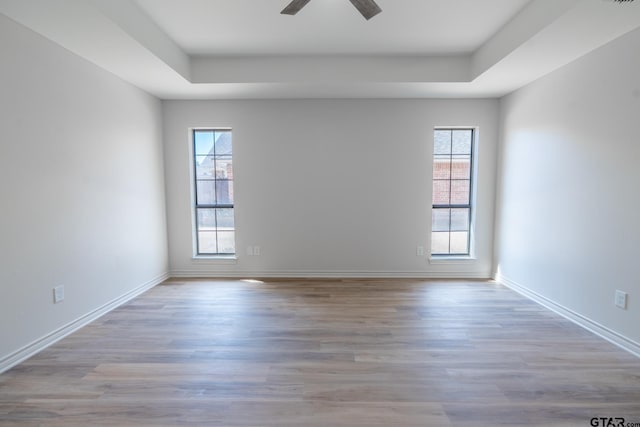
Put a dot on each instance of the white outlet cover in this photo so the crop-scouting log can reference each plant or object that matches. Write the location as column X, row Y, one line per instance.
column 621, row 299
column 58, row 294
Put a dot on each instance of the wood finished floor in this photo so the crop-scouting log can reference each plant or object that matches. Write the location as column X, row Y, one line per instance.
column 325, row 353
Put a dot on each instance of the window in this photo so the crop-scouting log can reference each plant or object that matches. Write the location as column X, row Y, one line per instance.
column 452, row 187
column 213, row 176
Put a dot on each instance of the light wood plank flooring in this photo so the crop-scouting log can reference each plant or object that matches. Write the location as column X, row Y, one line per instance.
column 325, row 353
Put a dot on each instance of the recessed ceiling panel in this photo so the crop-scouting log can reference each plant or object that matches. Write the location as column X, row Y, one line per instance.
column 330, row 27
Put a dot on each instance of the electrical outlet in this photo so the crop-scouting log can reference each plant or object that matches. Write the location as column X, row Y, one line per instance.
column 58, row 294
column 253, row 250
column 420, row 251
column 621, row 299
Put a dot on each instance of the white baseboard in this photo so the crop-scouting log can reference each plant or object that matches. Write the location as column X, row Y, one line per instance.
column 580, row 320
column 310, row 274
column 38, row 345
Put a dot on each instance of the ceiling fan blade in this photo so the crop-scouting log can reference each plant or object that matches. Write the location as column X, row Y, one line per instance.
column 368, row 8
column 294, row 7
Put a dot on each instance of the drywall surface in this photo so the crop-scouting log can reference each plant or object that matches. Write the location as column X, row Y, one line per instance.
column 568, row 226
column 81, row 185
column 329, row 187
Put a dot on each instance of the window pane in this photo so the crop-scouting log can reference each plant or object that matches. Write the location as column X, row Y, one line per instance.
column 224, row 191
column 442, row 142
column 439, row 243
column 460, row 192
column 206, row 219
column 224, row 219
column 224, row 167
column 203, row 142
column 226, row 242
column 442, row 167
column 216, row 234
column 205, row 167
column 440, row 219
column 459, row 242
column 207, row 242
column 223, row 142
column 441, row 192
column 206, row 192
column 461, row 167
column 459, row 220
column 462, row 141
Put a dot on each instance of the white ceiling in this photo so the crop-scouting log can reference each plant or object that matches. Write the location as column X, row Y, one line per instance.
column 328, row 27
column 233, row 49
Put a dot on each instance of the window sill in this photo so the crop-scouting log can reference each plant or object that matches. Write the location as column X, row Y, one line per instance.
column 216, row 259
column 454, row 259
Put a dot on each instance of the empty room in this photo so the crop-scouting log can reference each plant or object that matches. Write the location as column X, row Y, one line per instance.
column 319, row 213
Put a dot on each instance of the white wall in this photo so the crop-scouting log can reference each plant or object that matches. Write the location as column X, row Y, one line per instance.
column 569, row 204
column 81, row 185
column 329, row 187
